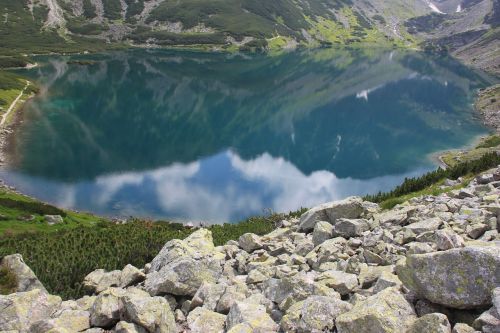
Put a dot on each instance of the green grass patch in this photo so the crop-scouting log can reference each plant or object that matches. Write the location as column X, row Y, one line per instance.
column 490, row 142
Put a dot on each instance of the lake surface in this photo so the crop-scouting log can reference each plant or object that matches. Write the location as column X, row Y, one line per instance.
column 214, row 137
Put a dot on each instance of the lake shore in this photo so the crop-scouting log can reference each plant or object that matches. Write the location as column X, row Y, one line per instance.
column 9, row 122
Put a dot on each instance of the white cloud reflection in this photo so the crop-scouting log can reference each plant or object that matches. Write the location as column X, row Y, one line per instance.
column 220, row 188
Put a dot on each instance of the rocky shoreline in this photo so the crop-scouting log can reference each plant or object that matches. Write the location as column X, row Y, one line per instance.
column 488, row 106
column 431, row 264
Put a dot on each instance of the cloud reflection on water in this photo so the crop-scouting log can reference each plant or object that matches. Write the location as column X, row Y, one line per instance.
column 221, row 188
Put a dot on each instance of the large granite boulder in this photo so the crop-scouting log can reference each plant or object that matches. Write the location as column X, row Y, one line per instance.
column 314, row 314
column 387, row 311
column 152, row 313
column 431, row 323
column 462, row 278
column 19, row 311
column 183, row 265
column 202, row 320
column 183, row 277
column 26, row 279
column 351, row 208
column 100, row 280
column 250, row 315
column 70, row 320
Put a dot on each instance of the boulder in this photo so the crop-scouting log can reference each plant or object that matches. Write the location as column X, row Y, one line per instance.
column 131, row 275
column 208, row 295
column 463, row 328
column 250, row 242
column 351, row 208
column 124, row 327
column 368, row 275
column 350, row 227
column 183, row 277
column 252, row 315
column 70, row 320
column 26, row 279
column 322, row 231
column 182, row 266
column 152, row 313
column 343, row 283
column 431, row 224
column 197, row 246
column 431, row 323
column 107, row 308
column 100, row 280
column 19, row 311
column 458, row 278
column 53, row 219
column 386, row 280
column 314, row 314
column 202, row 320
column 447, row 239
column 387, row 311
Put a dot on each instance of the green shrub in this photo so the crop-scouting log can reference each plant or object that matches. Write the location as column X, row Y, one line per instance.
column 8, row 281
column 410, row 185
column 34, row 207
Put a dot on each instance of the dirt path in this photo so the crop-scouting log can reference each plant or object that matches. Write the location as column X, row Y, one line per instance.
column 12, row 107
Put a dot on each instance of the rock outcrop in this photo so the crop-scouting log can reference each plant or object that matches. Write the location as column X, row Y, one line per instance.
column 431, row 264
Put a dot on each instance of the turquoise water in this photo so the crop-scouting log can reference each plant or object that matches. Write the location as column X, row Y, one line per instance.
column 215, row 137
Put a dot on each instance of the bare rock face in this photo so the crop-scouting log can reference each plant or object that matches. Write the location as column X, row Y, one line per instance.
column 26, row 279
column 458, row 278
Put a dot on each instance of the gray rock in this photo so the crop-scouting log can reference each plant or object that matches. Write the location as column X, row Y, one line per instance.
column 53, row 219
column 252, row 315
column 152, row 313
column 202, row 320
column 368, row 275
column 250, row 242
column 431, row 323
column 343, row 283
column 387, row 311
column 350, row 227
column 20, row 310
column 447, row 239
column 124, row 327
column 463, row 328
column 431, row 224
column 458, row 278
column 488, row 322
column 386, row 280
column 100, row 280
column 322, row 231
column 183, row 277
column 348, row 208
column 107, row 308
column 476, row 230
column 69, row 320
column 131, row 275
column 314, row 314
column 182, row 266
column 208, row 295
column 26, row 279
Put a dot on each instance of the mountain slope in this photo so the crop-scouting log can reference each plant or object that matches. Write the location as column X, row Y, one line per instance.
column 45, row 25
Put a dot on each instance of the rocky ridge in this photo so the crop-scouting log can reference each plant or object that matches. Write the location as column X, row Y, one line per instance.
column 429, row 265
